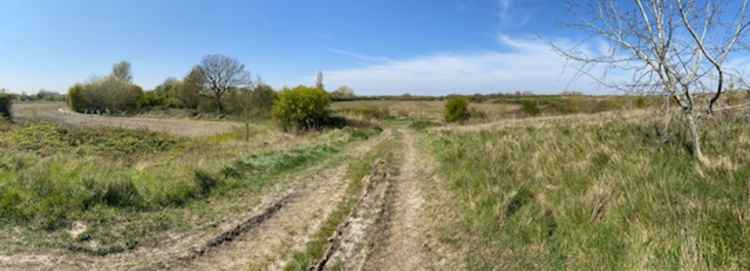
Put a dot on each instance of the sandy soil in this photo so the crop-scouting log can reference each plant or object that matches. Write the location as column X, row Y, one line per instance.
column 58, row 113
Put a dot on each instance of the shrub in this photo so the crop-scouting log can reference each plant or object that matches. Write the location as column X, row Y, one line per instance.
column 151, row 99
column 530, row 107
column 112, row 93
column 104, row 95
column 205, row 182
column 302, row 108
column 5, row 105
column 456, row 109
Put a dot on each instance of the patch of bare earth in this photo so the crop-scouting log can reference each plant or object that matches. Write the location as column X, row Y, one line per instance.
column 56, row 112
column 408, row 242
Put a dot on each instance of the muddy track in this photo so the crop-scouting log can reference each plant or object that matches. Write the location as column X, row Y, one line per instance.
column 291, row 225
column 352, row 242
column 390, row 228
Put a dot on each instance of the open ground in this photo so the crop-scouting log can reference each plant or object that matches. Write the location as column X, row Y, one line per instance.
column 513, row 191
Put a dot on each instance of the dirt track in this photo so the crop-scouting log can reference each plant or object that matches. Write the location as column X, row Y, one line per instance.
column 391, row 228
column 58, row 113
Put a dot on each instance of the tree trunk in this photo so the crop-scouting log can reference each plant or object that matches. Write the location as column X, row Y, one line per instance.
column 220, row 106
column 247, row 126
column 694, row 133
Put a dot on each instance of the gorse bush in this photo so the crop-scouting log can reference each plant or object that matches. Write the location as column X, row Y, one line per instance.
column 456, row 109
column 302, row 108
column 5, row 106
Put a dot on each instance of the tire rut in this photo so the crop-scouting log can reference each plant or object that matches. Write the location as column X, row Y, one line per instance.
column 284, row 223
column 403, row 246
column 389, row 229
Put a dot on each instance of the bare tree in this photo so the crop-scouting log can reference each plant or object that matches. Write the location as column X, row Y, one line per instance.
column 656, row 43
column 121, row 71
column 222, row 73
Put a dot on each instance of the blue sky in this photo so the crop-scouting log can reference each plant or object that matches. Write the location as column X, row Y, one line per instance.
column 375, row 46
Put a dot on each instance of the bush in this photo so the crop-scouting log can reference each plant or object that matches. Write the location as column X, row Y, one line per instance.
column 151, row 99
column 104, row 95
column 530, row 107
column 5, row 106
column 302, row 108
column 456, row 109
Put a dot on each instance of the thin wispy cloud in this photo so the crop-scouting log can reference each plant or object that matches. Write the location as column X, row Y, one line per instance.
column 358, row 56
column 529, row 65
column 509, row 16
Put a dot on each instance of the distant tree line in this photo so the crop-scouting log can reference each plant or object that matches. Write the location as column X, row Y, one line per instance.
column 218, row 84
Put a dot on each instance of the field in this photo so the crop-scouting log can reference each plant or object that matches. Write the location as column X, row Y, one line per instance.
column 526, row 183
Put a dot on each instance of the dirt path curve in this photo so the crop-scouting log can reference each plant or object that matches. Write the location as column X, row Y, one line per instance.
column 56, row 112
column 290, row 227
column 265, row 246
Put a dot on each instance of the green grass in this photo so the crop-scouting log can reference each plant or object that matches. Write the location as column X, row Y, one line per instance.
column 129, row 186
column 357, row 170
column 611, row 197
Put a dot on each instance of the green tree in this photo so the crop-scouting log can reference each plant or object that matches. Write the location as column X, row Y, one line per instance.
column 189, row 92
column 121, row 71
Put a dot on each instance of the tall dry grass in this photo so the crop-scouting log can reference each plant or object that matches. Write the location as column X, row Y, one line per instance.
column 616, row 196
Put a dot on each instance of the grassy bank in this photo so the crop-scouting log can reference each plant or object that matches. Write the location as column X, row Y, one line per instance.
column 127, row 187
column 613, row 197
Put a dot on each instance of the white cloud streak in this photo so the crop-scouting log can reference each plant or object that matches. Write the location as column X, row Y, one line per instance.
column 528, row 65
